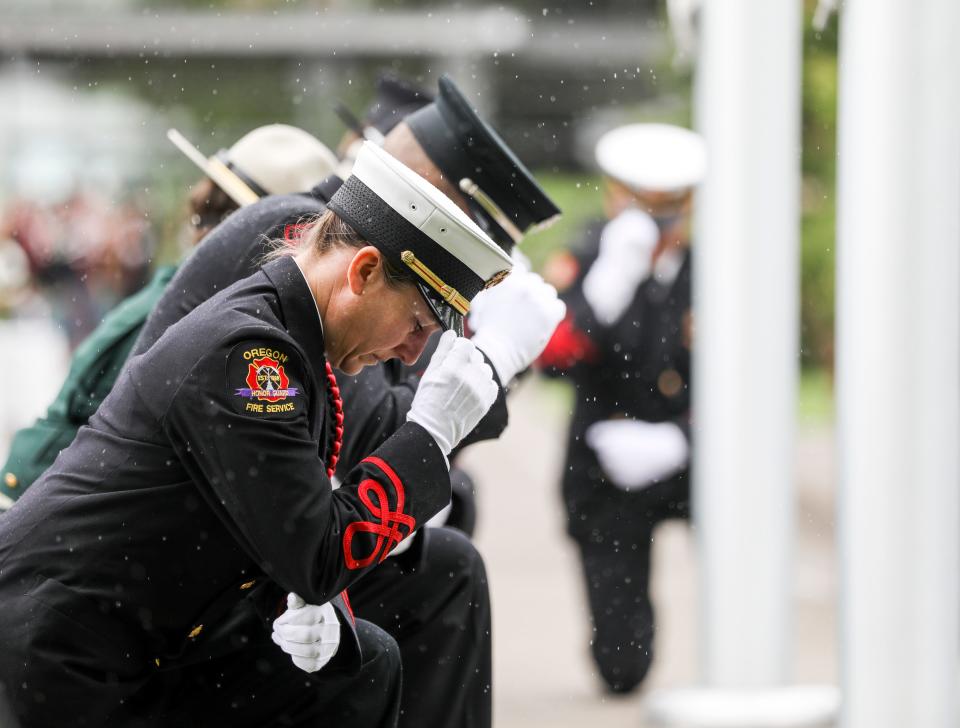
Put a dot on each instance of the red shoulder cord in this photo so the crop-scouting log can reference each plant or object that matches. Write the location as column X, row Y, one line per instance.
column 337, row 404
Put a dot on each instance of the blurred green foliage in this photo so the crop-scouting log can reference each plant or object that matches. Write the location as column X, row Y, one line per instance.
column 815, row 404
column 578, row 196
column 819, row 188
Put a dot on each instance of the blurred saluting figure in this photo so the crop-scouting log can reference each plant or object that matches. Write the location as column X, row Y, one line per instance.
column 625, row 346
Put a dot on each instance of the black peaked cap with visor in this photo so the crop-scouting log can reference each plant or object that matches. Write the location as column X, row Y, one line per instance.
column 421, row 232
column 394, row 99
column 502, row 194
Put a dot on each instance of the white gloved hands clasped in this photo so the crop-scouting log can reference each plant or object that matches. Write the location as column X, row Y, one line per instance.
column 455, row 392
column 310, row 634
column 513, row 321
column 636, row 454
column 626, row 251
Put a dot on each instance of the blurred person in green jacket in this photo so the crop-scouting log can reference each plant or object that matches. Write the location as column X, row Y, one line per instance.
column 272, row 159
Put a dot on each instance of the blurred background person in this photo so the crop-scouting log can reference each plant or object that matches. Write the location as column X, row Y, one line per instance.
column 625, row 347
column 85, row 254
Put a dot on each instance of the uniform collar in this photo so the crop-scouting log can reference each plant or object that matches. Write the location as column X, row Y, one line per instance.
column 298, row 307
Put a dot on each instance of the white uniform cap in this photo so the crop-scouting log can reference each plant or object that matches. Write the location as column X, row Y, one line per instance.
column 276, row 159
column 653, row 157
column 421, row 231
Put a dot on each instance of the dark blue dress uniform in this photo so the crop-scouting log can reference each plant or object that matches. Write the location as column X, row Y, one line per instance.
column 639, row 368
column 197, row 480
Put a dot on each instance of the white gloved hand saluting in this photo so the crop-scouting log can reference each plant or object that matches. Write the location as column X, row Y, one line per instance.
column 310, row 634
column 626, row 248
column 513, row 321
column 455, row 392
column 636, row 454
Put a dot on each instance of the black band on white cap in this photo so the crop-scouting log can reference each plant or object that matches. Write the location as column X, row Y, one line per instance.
column 385, row 228
column 224, row 156
column 421, row 231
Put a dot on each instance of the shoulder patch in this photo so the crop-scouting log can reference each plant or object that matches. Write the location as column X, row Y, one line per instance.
column 265, row 380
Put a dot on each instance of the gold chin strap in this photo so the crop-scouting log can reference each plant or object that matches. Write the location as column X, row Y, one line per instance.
column 449, row 294
column 469, row 187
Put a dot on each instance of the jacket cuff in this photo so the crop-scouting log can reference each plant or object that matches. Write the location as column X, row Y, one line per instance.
column 420, row 464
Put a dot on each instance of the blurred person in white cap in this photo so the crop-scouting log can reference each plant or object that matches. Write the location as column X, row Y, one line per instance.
column 625, row 347
column 200, row 478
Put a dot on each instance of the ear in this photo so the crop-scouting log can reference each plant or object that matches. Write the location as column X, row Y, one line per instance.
column 364, row 270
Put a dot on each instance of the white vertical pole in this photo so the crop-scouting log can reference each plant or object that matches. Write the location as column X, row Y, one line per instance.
column 745, row 358
column 898, row 356
column 746, row 297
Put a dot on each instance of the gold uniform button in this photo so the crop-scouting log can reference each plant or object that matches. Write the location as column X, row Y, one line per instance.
column 194, row 633
column 670, row 383
column 11, row 480
column 248, row 584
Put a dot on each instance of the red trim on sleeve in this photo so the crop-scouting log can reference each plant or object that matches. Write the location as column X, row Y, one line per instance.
column 567, row 346
column 346, row 603
column 292, row 232
column 387, row 531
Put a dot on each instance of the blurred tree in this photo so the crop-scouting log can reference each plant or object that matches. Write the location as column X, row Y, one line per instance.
column 819, row 203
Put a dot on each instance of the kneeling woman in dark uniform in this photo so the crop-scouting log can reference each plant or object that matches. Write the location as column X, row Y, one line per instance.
column 199, row 482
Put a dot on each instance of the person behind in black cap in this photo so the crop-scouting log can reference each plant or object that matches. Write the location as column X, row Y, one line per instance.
column 199, row 478
column 450, row 145
column 394, row 99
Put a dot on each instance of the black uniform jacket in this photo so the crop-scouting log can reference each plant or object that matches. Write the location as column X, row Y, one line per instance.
column 375, row 401
column 198, row 478
column 638, row 368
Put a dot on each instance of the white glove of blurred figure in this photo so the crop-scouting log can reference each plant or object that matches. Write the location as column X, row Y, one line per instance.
column 636, row 454
column 454, row 393
column 626, row 247
column 310, row 634
column 513, row 321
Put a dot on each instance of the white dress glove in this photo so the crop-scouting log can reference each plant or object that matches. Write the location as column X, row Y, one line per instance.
column 626, row 248
column 513, row 321
column 310, row 634
column 455, row 392
column 636, row 454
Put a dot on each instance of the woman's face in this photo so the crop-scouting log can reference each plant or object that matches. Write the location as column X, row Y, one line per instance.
column 381, row 320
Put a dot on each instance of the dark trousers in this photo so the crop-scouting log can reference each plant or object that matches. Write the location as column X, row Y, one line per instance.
column 463, row 502
column 614, row 532
column 618, row 582
column 255, row 685
column 435, row 602
column 260, row 686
